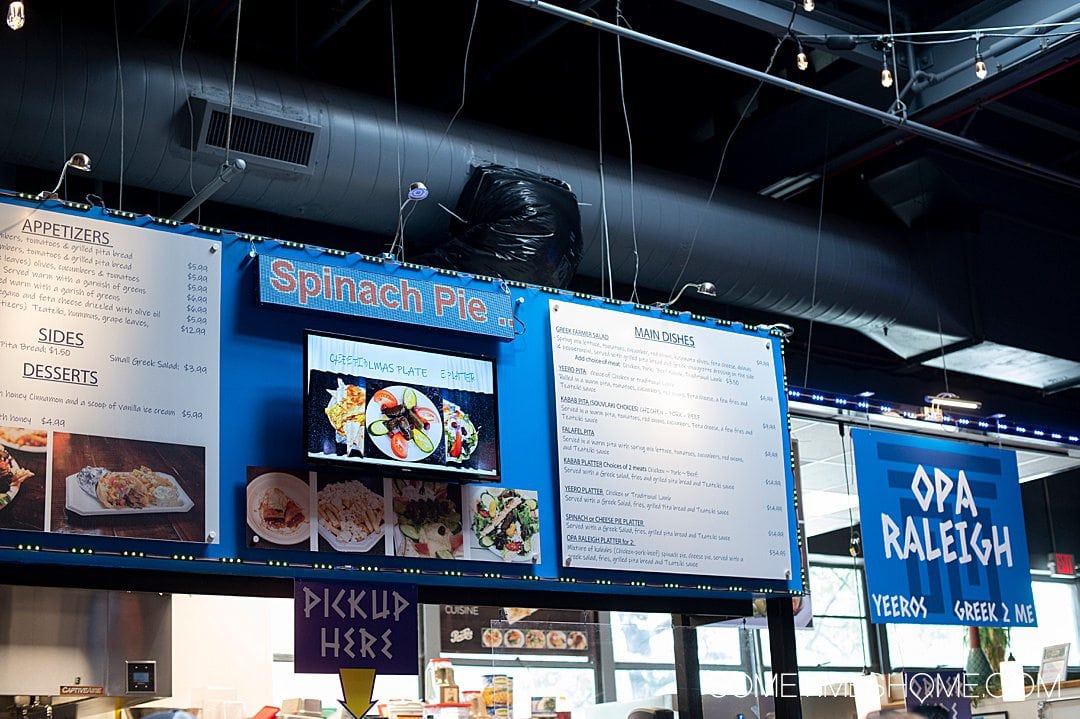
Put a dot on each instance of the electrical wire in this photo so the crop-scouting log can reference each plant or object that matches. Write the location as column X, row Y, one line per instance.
column 853, row 541
column 397, row 138
column 120, row 79
column 63, row 95
column 817, row 253
column 727, row 143
column 232, row 81
column 966, row 31
column 605, row 243
column 464, row 85
column 620, row 19
column 191, row 112
column 898, row 107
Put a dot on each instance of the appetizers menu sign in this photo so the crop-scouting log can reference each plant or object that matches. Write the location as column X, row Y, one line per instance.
column 109, row 408
column 671, row 446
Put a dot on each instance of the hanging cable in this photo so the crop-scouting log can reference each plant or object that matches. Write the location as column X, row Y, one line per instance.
column 232, row 81
column 605, row 244
column 63, row 94
column 898, row 107
column 723, row 154
column 464, row 81
column 853, row 540
column 817, row 253
column 190, row 111
column 620, row 20
column 397, row 138
column 120, row 80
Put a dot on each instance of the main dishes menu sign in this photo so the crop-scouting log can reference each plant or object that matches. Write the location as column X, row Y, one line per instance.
column 671, row 446
column 109, row 407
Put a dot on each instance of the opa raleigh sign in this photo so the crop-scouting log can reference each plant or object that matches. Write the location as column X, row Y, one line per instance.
column 943, row 532
column 382, row 296
column 348, row 625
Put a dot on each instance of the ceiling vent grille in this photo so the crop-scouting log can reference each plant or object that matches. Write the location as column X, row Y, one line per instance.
column 259, row 138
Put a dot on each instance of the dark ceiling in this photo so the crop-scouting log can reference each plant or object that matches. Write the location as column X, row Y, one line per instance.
column 536, row 74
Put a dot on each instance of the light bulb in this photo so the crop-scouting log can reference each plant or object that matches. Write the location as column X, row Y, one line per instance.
column 808, row 5
column 16, row 16
column 980, row 68
column 886, row 77
column 801, row 61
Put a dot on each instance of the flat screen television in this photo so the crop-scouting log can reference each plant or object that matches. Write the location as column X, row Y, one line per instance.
column 404, row 410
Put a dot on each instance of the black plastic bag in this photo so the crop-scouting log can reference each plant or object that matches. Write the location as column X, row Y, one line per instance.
column 518, row 225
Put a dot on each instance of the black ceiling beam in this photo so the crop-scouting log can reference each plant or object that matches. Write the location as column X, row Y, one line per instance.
column 1040, row 119
column 521, row 50
column 765, row 16
column 947, row 139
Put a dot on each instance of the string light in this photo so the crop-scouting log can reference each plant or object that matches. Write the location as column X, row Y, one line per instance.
column 808, row 5
column 886, row 73
column 16, row 16
column 801, row 61
column 980, row 66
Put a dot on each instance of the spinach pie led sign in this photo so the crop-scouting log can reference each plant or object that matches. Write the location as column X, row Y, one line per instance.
column 385, row 296
column 943, row 532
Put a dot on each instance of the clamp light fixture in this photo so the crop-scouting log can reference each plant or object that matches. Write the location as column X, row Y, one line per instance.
column 703, row 288
column 801, row 61
column 952, row 401
column 980, row 66
column 80, row 161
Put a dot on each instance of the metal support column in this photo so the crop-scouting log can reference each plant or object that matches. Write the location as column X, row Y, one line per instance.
column 785, row 664
column 687, row 667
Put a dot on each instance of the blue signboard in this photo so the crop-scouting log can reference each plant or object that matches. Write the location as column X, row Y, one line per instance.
column 350, row 625
column 943, row 532
column 383, row 296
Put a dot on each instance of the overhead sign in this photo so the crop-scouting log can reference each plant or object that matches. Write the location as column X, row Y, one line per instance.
column 673, row 447
column 354, row 626
column 516, row 630
column 382, row 296
column 943, row 532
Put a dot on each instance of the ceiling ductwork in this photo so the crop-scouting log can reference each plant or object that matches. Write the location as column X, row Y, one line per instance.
column 329, row 155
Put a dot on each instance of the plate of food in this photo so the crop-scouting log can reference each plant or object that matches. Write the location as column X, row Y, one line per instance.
column 352, row 518
column 577, row 640
column 514, row 638
column 96, row 491
column 345, row 411
column 556, row 639
column 427, row 521
column 491, row 637
column 403, row 423
column 534, row 639
column 506, row 521
column 278, row 508
column 25, row 440
column 462, row 437
column 11, row 477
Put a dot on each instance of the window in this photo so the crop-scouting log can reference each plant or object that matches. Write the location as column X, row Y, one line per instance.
column 1055, row 610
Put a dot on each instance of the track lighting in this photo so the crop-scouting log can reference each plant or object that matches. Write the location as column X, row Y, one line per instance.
column 801, row 61
column 16, row 16
column 948, row 399
column 808, row 5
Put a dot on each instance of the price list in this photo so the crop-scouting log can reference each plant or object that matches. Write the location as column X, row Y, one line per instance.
column 671, row 446
column 110, row 331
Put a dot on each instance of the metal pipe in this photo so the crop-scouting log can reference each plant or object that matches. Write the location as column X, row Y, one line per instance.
column 228, row 171
column 915, row 128
column 1003, row 46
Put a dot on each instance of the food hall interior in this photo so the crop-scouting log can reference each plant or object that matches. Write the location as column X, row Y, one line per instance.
column 887, row 191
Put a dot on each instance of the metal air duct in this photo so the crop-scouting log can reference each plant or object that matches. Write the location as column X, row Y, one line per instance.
column 335, row 161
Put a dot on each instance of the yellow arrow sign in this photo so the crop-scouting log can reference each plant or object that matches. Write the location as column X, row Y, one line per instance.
column 357, row 685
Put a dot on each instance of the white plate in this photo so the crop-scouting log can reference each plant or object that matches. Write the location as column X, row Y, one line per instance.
column 434, row 433
column 296, row 490
column 362, row 546
column 21, row 448
column 84, row 505
column 505, row 555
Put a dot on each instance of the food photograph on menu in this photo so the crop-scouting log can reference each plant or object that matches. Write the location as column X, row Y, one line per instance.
column 427, row 519
column 504, row 522
column 278, row 509
column 23, row 453
column 408, row 410
column 351, row 511
column 110, row 486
